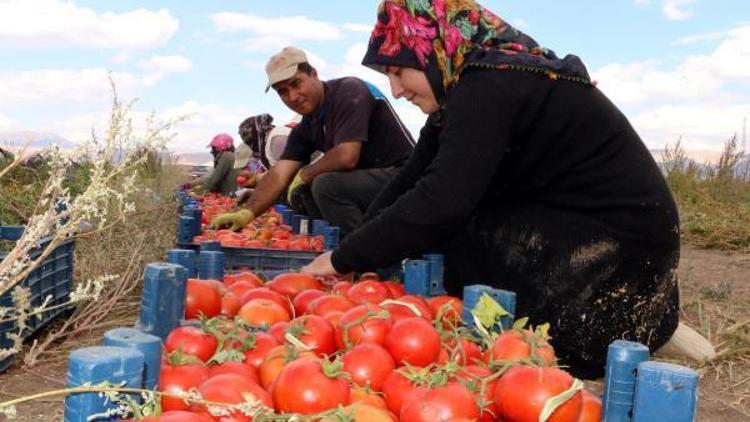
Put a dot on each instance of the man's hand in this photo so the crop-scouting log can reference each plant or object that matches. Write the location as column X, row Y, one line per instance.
column 320, row 266
column 235, row 220
column 297, row 182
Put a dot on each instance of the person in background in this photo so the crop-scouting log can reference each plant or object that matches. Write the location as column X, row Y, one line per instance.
column 351, row 122
column 526, row 177
column 222, row 179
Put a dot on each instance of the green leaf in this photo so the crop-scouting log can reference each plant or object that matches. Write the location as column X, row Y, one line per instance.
column 520, row 323
column 488, row 311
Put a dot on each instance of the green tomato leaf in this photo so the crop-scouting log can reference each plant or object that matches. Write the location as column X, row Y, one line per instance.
column 488, row 311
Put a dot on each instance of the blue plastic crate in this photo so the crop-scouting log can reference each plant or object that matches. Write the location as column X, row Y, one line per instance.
column 260, row 258
column 53, row 277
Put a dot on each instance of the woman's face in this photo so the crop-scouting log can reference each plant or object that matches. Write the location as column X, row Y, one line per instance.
column 412, row 84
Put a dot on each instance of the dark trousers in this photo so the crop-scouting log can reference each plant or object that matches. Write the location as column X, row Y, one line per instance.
column 341, row 198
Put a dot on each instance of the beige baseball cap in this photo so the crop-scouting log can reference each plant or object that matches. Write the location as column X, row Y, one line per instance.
column 283, row 65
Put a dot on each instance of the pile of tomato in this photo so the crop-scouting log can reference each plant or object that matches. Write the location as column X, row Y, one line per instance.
column 266, row 231
column 338, row 350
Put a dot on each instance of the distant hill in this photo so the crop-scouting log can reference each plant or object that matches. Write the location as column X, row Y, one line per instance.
column 33, row 139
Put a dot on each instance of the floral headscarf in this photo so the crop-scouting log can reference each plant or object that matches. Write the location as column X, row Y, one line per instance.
column 446, row 36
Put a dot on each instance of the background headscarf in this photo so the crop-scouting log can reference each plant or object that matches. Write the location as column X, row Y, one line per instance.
column 254, row 129
column 443, row 37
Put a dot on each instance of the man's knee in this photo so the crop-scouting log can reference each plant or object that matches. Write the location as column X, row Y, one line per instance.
column 326, row 185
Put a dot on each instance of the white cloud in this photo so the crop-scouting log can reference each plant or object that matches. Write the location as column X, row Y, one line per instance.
column 60, row 86
column 157, row 67
column 5, row 122
column 357, row 27
column 62, row 23
column 695, row 100
column 270, row 34
column 677, row 10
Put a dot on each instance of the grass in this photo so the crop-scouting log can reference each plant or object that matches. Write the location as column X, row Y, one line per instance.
column 713, row 200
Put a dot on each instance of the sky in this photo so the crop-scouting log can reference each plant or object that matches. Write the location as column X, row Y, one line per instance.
column 678, row 69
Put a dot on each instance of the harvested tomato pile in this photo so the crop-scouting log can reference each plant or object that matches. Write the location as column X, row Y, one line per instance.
column 334, row 350
column 266, row 231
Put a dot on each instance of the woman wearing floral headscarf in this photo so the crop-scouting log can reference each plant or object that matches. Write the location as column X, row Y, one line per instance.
column 527, row 177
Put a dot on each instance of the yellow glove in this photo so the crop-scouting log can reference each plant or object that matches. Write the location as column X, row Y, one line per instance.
column 235, row 220
column 296, row 183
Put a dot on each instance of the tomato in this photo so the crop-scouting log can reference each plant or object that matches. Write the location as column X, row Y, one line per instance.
column 232, row 389
column 464, row 352
column 362, row 324
column 262, row 345
column 266, row 293
column 246, row 276
column 241, row 287
column 368, row 291
column 178, row 380
column 329, row 303
column 395, row 289
column 230, row 304
column 515, row 345
column 262, row 312
column 254, row 244
column 239, row 368
column 365, row 396
column 303, row 387
column 278, row 330
column 400, row 311
column 449, row 307
column 315, row 332
column 414, row 341
column 178, row 416
column 369, row 276
column 471, row 376
column 362, row 412
column 303, row 299
column 592, row 408
column 201, row 298
column 191, row 341
column 396, row 387
column 449, row 402
column 276, row 359
column 334, row 317
column 289, row 284
column 341, row 287
column 368, row 363
column 521, row 392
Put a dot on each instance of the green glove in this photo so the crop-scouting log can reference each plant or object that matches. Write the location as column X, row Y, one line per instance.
column 235, row 220
column 296, row 183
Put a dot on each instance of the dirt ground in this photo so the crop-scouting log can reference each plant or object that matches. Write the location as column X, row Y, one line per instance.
column 715, row 288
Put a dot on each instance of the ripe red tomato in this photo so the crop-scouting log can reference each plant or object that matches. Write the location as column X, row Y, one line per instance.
column 191, row 341
column 471, row 376
column 262, row 312
column 230, row 304
column 362, row 324
column 278, row 330
column 179, row 380
column 177, row 416
column 368, row 291
column 302, row 387
column 303, row 299
column 239, row 368
column 450, row 306
column 464, row 352
column 414, row 341
column 592, row 408
column 368, row 363
column 367, row 396
column 363, row 412
column 276, row 359
column 521, row 392
column 453, row 401
column 289, row 284
column 246, row 276
column 341, row 287
column 263, row 343
column 266, row 293
column 329, row 303
column 396, row 387
column 232, row 389
column 315, row 332
column 515, row 345
column 241, row 287
column 201, row 298
column 399, row 311
column 394, row 288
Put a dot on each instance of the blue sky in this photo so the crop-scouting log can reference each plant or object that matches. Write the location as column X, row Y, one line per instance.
column 677, row 68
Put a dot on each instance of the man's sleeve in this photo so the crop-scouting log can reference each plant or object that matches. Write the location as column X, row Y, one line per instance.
column 354, row 103
column 299, row 146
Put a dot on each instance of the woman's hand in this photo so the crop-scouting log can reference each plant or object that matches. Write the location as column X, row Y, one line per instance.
column 320, row 266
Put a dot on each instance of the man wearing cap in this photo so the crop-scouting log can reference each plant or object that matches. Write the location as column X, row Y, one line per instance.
column 351, row 122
